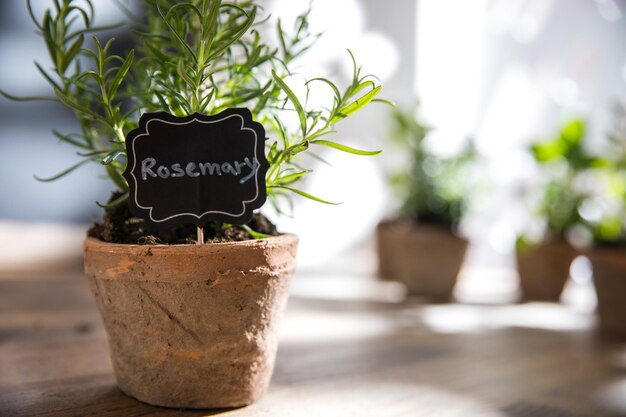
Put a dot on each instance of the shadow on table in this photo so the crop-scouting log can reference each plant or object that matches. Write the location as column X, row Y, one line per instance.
column 97, row 396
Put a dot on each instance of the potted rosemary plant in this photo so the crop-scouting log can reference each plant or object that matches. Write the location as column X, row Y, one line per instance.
column 421, row 247
column 191, row 310
column 544, row 259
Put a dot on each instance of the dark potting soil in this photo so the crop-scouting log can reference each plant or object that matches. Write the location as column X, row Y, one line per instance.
column 119, row 226
column 435, row 219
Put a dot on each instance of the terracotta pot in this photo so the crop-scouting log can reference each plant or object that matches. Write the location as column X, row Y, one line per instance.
column 544, row 269
column 192, row 326
column 425, row 258
column 388, row 247
column 609, row 277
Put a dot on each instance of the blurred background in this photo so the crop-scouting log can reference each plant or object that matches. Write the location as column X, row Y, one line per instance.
column 503, row 74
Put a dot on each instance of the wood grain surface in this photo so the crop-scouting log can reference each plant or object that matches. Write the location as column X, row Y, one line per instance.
column 336, row 358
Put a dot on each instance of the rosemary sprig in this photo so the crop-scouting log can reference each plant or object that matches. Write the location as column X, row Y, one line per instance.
column 192, row 56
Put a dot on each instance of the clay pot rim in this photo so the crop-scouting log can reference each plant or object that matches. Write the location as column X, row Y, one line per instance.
column 98, row 244
column 551, row 242
column 612, row 254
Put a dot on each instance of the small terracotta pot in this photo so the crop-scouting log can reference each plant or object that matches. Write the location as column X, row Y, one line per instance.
column 609, row 277
column 192, row 326
column 544, row 270
column 424, row 257
column 389, row 248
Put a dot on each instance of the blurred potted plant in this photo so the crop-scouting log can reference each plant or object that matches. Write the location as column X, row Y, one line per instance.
column 190, row 322
column 421, row 247
column 604, row 213
column 544, row 260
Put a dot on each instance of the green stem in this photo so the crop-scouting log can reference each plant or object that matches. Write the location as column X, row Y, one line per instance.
column 119, row 132
column 273, row 172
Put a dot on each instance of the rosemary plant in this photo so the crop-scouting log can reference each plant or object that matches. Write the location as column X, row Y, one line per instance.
column 432, row 189
column 584, row 196
column 198, row 56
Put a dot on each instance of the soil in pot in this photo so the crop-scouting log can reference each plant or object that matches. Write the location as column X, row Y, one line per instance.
column 426, row 258
column 189, row 326
column 119, row 226
column 544, row 270
column 609, row 277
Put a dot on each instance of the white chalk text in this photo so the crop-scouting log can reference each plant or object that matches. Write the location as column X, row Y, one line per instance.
column 247, row 168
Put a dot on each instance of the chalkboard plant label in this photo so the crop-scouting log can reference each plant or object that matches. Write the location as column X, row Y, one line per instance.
column 197, row 168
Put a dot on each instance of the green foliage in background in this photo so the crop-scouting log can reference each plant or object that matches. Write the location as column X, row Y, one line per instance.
column 198, row 56
column 585, row 193
column 610, row 226
column 561, row 159
column 432, row 188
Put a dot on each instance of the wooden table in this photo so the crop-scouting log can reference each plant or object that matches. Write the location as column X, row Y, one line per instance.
column 336, row 358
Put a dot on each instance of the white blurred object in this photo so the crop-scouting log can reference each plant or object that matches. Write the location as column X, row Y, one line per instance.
column 374, row 50
column 487, row 285
column 504, row 125
column 579, row 293
column 609, row 10
column 34, row 247
column 460, row 318
column 325, row 230
column 376, row 53
column 327, row 17
column 449, row 50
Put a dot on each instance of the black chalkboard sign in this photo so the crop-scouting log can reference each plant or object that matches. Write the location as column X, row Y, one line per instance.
column 194, row 169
